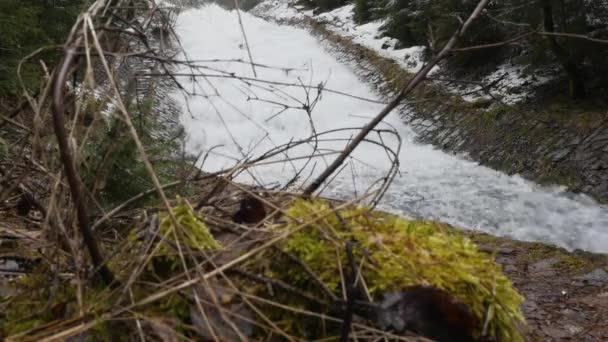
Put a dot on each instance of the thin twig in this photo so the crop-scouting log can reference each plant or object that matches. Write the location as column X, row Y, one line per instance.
column 411, row 85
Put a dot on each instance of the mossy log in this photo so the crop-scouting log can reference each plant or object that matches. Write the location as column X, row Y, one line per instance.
column 395, row 254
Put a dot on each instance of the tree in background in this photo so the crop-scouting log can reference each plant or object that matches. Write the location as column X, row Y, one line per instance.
column 27, row 25
column 432, row 23
column 557, row 29
column 362, row 10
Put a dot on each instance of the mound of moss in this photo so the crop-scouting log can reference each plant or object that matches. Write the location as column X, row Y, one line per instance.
column 397, row 254
column 195, row 232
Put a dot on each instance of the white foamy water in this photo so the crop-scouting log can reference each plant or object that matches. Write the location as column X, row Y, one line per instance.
column 238, row 119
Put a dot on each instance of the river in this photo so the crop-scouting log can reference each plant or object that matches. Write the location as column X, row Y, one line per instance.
column 235, row 118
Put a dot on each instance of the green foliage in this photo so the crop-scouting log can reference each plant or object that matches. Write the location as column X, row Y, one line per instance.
column 38, row 303
column 27, row 25
column 432, row 23
column 362, row 11
column 323, row 5
column 113, row 166
column 326, row 5
column 404, row 253
column 194, row 232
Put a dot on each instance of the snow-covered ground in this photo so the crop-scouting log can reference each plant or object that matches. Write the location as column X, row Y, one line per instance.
column 510, row 82
column 230, row 113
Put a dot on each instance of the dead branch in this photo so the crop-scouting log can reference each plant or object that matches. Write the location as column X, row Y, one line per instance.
column 411, row 85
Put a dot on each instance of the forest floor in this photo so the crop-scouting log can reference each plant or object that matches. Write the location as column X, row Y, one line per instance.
column 566, row 292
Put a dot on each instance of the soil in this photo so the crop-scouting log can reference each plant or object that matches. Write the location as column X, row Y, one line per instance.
column 566, row 292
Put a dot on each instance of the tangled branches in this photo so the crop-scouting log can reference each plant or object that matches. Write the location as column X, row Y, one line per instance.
column 100, row 138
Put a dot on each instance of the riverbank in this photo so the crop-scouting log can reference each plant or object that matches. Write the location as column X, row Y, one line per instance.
column 566, row 294
column 546, row 137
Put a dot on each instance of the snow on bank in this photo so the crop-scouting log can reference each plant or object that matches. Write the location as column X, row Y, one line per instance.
column 233, row 118
column 509, row 81
column 341, row 21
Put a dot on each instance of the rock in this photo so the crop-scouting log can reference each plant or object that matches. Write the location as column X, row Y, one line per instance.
column 596, row 276
column 574, row 316
column 573, row 329
column 429, row 311
column 386, row 45
column 600, row 300
column 529, row 306
column 498, row 250
column 545, row 265
column 555, row 333
column 560, row 154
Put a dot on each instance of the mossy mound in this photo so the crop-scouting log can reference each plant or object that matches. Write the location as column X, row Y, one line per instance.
column 398, row 254
column 195, row 232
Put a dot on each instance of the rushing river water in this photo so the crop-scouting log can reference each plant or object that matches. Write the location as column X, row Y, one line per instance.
column 245, row 118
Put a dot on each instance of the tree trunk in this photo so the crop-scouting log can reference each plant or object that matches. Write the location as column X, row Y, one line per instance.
column 575, row 78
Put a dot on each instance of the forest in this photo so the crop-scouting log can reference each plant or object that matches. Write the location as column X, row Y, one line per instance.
column 568, row 33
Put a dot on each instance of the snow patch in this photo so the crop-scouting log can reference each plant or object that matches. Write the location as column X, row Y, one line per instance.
column 509, row 83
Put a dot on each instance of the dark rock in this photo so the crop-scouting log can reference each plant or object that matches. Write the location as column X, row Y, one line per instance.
column 428, row 311
column 25, row 204
column 599, row 300
column 251, row 211
column 545, row 265
column 560, row 154
column 597, row 276
column 555, row 333
column 573, row 329
column 529, row 306
column 386, row 45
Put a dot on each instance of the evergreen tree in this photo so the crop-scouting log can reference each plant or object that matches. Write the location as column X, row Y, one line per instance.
column 362, row 10
column 561, row 24
column 25, row 26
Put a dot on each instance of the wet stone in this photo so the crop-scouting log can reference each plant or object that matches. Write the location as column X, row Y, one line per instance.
column 597, row 276
column 560, row 154
column 574, row 316
column 600, row 300
column 544, row 265
column 555, row 332
column 573, row 329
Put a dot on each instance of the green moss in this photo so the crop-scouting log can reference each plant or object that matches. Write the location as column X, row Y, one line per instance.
column 573, row 264
column 405, row 253
column 567, row 262
column 39, row 302
column 195, row 233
